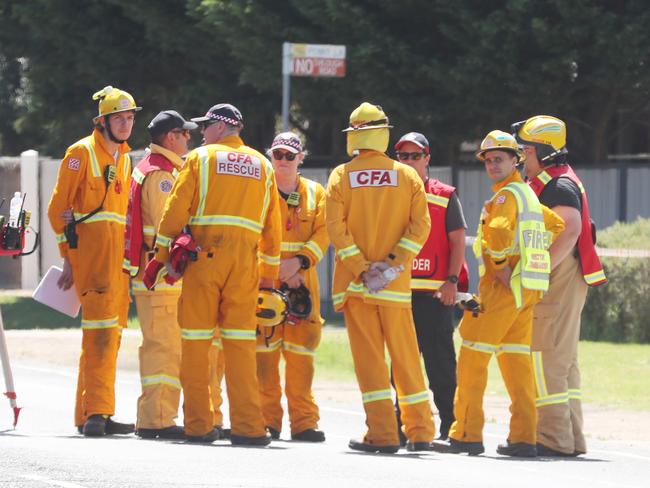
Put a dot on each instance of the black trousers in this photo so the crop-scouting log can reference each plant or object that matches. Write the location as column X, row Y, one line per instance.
column 435, row 329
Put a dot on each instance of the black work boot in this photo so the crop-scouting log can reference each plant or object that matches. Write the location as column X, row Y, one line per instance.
column 309, row 435
column 471, row 448
column 95, row 426
column 542, row 450
column 209, row 438
column 517, row 449
column 113, row 427
column 223, row 433
column 275, row 434
column 242, row 440
column 418, row 446
column 172, row 432
column 366, row 447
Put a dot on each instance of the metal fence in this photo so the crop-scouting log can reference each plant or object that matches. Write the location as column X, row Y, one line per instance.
column 616, row 193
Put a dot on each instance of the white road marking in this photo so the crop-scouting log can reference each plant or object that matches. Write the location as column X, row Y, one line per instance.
column 48, row 481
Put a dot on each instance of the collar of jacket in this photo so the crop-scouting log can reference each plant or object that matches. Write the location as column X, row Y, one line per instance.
column 514, row 177
column 232, row 141
column 174, row 158
column 100, row 141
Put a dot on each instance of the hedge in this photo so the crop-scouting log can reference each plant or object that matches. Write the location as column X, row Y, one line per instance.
column 619, row 311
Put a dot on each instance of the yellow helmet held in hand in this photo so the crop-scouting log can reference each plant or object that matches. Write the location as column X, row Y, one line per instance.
column 272, row 307
column 113, row 100
column 497, row 140
column 547, row 134
column 368, row 129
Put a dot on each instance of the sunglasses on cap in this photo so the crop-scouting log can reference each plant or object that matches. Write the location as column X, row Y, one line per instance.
column 415, row 156
column 278, row 155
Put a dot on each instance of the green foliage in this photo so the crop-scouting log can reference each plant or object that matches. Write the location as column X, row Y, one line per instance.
column 453, row 70
column 620, row 310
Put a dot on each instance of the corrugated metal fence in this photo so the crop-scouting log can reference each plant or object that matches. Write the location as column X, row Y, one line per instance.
column 620, row 192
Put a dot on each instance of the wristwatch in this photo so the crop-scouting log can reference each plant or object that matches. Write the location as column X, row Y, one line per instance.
column 452, row 279
column 304, row 261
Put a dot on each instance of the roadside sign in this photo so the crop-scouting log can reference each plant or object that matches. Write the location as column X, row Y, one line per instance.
column 314, row 60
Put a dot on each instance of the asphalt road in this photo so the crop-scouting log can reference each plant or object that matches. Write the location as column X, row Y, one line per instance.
column 46, row 451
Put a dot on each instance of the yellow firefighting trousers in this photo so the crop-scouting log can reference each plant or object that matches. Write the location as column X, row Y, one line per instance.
column 556, row 331
column 103, row 292
column 221, row 288
column 505, row 331
column 160, row 362
column 297, row 344
column 371, row 328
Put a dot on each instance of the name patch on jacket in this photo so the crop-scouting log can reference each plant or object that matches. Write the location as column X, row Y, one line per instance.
column 239, row 164
column 373, row 177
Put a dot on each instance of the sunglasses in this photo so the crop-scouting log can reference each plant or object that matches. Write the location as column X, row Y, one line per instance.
column 415, row 156
column 185, row 132
column 278, row 155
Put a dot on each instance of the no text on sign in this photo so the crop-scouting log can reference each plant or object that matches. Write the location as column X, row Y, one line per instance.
column 314, row 60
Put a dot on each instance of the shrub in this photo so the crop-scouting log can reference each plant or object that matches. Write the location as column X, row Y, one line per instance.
column 620, row 310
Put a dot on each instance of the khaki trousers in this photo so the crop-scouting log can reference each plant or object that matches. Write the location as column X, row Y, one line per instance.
column 556, row 331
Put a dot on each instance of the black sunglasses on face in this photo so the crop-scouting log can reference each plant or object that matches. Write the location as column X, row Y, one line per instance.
column 185, row 132
column 278, row 155
column 415, row 156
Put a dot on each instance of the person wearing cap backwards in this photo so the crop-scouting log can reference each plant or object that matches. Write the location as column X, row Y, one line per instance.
column 511, row 246
column 160, row 352
column 574, row 267
column 434, row 278
column 227, row 196
column 91, row 195
column 377, row 219
column 304, row 243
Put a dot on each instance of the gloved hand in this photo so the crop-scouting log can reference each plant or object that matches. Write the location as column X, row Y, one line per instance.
column 374, row 280
column 469, row 302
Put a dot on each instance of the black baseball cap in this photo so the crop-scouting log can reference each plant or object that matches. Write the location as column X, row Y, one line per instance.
column 168, row 120
column 224, row 112
column 416, row 138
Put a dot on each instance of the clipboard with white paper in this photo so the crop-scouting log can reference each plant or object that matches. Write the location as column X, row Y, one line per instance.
column 48, row 293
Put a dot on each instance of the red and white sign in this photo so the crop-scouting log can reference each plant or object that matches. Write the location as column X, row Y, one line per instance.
column 239, row 164
column 315, row 60
column 373, row 177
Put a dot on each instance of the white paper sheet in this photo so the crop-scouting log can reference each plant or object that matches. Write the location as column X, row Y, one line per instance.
column 48, row 293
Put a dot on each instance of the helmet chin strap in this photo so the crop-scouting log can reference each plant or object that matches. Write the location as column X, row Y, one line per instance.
column 110, row 132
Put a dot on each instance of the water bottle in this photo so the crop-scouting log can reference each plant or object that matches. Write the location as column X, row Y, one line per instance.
column 14, row 209
column 391, row 274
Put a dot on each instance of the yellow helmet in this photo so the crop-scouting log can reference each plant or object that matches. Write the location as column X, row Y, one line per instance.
column 368, row 129
column 272, row 307
column 497, row 140
column 545, row 133
column 113, row 100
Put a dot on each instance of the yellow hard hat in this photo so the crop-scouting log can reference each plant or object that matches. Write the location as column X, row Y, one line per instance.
column 113, row 100
column 497, row 140
column 368, row 129
column 547, row 134
column 272, row 307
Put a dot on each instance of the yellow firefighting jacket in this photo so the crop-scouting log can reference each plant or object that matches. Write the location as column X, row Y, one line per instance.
column 225, row 189
column 305, row 233
column 156, row 188
column 376, row 210
column 499, row 222
column 81, row 185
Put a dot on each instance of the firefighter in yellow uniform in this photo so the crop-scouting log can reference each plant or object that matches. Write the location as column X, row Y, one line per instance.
column 304, row 243
column 87, row 211
column 377, row 219
column 514, row 234
column 227, row 195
